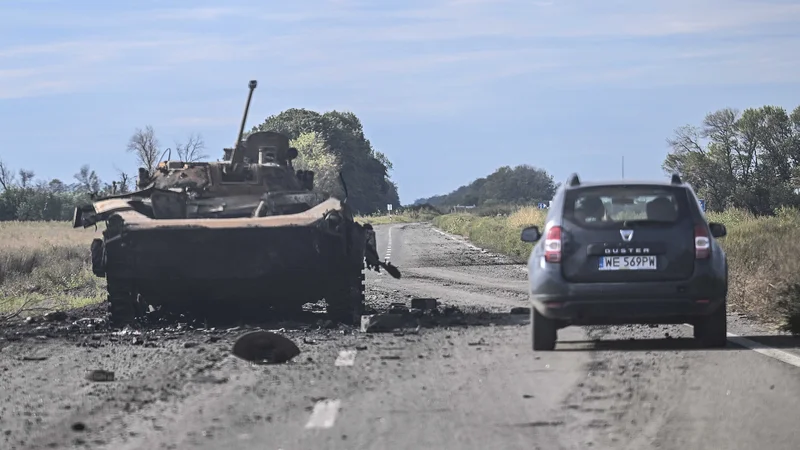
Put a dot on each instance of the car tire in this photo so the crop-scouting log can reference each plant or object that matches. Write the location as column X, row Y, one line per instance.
column 544, row 332
column 712, row 330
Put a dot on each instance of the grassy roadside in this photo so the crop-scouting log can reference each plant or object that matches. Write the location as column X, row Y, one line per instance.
column 408, row 216
column 762, row 256
column 45, row 266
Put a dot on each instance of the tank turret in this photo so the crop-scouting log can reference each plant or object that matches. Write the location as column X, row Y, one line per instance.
column 237, row 153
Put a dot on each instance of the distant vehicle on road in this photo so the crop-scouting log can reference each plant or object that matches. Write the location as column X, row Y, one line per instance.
column 626, row 252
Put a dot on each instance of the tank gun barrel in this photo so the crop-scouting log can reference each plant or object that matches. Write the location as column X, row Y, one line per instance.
column 237, row 155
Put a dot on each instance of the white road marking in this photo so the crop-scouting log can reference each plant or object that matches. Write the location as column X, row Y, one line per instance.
column 472, row 246
column 765, row 350
column 324, row 414
column 346, row 358
column 389, row 246
column 459, row 240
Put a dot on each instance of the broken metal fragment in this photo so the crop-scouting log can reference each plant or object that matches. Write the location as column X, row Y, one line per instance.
column 383, row 322
column 425, row 304
column 265, row 347
column 55, row 316
column 100, row 375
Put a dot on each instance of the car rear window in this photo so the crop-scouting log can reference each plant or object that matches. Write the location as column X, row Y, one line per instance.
column 612, row 205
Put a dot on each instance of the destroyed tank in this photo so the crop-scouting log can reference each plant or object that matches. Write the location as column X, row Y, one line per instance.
column 245, row 234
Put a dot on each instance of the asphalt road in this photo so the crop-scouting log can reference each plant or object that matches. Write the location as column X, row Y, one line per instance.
column 473, row 383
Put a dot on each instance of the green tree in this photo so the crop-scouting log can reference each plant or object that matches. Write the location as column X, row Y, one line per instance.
column 314, row 154
column 523, row 184
column 748, row 160
column 365, row 170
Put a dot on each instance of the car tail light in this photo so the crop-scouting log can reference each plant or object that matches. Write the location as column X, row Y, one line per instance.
column 702, row 242
column 552, row 245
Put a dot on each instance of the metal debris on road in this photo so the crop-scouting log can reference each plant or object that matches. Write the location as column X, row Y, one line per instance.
column 209, row 379
column 383, row 322
column 100, row 375
column 424, row 304
column 398, row 308
column 55, row 316
column 265, row 347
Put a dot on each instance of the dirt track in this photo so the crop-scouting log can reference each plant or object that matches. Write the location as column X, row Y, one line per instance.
column 473, row 386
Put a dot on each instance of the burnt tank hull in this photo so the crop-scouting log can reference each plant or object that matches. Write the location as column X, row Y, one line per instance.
column 277, row 262
column 248, row 232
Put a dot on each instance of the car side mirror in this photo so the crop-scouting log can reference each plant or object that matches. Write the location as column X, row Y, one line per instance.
column 530, row 234
column 718, row 230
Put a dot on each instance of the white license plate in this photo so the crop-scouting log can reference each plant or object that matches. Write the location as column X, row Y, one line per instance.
column 628, row 262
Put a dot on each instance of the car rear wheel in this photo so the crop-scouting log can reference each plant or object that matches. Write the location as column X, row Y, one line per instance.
column 543, row 331
column 712, row 330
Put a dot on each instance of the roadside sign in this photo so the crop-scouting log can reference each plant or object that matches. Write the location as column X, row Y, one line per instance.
column 388, row 206
column 702, row 203
column 542, row 205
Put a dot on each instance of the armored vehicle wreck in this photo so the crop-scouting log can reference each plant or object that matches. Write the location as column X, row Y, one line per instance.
column 248, row 233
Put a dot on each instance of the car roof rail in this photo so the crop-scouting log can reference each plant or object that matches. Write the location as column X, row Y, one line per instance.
column 573, row 180
column 676, row 179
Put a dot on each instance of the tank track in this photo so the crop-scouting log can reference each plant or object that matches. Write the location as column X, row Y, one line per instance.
column 121, row 303
column 346, row 302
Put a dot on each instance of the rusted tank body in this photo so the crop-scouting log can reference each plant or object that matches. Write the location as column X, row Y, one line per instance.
column 248, row 233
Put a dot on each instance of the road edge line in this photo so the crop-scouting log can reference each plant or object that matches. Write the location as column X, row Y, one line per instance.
column 774, row 353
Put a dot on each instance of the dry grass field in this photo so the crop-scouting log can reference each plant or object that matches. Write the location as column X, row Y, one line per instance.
column 46, row 265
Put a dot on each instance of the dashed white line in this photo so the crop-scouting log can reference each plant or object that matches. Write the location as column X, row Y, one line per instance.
column 389, row 246
column 324, row 414
column 346, row 358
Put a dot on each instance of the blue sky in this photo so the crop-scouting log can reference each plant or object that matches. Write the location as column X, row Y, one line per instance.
column 448, row 89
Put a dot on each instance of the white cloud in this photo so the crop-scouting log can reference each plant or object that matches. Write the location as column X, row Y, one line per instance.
column 436, row 47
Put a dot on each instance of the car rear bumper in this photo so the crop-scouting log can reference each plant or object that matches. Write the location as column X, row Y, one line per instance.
column 612, row 312
column 635, row 302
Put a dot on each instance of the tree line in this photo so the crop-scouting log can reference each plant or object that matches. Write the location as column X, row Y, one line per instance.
column 520, row 185
column 744, row 159
column 327, row 143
